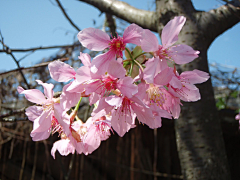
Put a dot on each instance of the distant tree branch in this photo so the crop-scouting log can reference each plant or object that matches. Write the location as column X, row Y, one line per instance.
column 65, row 14
column 217, row 21
column 36, row 66
column 145, row 19
column 7, row 50
column 41, row 48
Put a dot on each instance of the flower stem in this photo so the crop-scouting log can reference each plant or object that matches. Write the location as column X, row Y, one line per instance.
column 78, row 104
column 129, row 53
column 74, row 112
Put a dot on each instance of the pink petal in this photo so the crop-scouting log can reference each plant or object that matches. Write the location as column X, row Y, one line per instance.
column 69, row 99
column 60, row 71
column 33, row 95
column 33, row 112
column 144, row 115
column 121, row 122
column 43, row 122
column 85, row 58
column 62, row 117
column 164, row 77
column 83, row 74
column 100, row 63
column 127, row 87
column 92, row 140
column 190, row 95
column 39, row 136
column 182, row 54
column 114, row 101
column 237, row 117
column 195, row 76
column 171, row 30
column 175, row 82
column 93, row 98
column 94, row 39
column 132, row 34
column 149, row 42
column 102, row 105
column 116, row 69
column 63, row 146
column 75, row 86
column 153, row 67
column 47, row 89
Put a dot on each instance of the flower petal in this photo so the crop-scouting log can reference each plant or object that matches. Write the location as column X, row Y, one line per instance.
column 47, row 89
column 171, row 30
column 164, row 77
column 133, row 34
column 182, row 54
column 85, row 58
column 39, row 136
column 127, row 87
column 33, row 112
column 63, row 146
column 149, row 42
column 153, row 67
column 60, row 71
column 116, row 69
column 195, row 76
column 33, row 95
column 94, row 39
column 100, row 63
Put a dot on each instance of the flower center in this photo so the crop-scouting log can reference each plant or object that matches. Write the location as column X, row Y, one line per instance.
column 117, row 45
column 55, row 126
column 162, row 53
column 155, row 95
column 108, row 84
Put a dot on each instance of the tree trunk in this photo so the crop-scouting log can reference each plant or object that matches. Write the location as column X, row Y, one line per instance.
column 198, row 132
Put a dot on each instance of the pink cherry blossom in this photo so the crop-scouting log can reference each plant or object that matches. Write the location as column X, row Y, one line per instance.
column 183, row 85
column 180, row 54
column 44, row 115
column 97, row 40
column 62, row 72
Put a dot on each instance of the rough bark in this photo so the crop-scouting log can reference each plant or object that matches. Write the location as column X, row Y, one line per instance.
column 198, row 132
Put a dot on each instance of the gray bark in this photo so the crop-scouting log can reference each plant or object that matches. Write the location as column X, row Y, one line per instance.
column 198, row 132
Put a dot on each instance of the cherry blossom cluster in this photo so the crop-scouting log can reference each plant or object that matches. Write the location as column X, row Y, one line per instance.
column 124, row 86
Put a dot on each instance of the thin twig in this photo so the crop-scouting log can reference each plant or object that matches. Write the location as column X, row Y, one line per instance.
column 23, row 160
column 41, row 48
column 8, row 51
column 32, row 67
column 34, row 161
column 65, row 14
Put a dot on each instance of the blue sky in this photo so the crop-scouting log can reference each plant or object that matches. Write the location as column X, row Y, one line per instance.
column 33, row 23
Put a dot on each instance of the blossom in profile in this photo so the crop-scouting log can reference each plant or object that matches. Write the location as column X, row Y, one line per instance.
column 97, row 40
column 182, row 85
column 46, row 114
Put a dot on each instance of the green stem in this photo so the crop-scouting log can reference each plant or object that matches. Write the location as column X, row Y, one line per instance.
column 78, row 104
column 131, row 69
column 129, row 53
column 140, row 55
column 140, row 66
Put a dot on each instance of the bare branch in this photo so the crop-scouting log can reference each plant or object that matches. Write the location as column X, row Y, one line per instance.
column 145, row 19
column 36, row 66
column 217, row 21
column 8, row 51
column 41, row 48
column 65, row 14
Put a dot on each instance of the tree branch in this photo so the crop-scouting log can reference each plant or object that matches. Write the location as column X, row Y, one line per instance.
column 217, row 21
column 145, row 19
column 42, row 48
column 32, row 67
column 65, row 14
